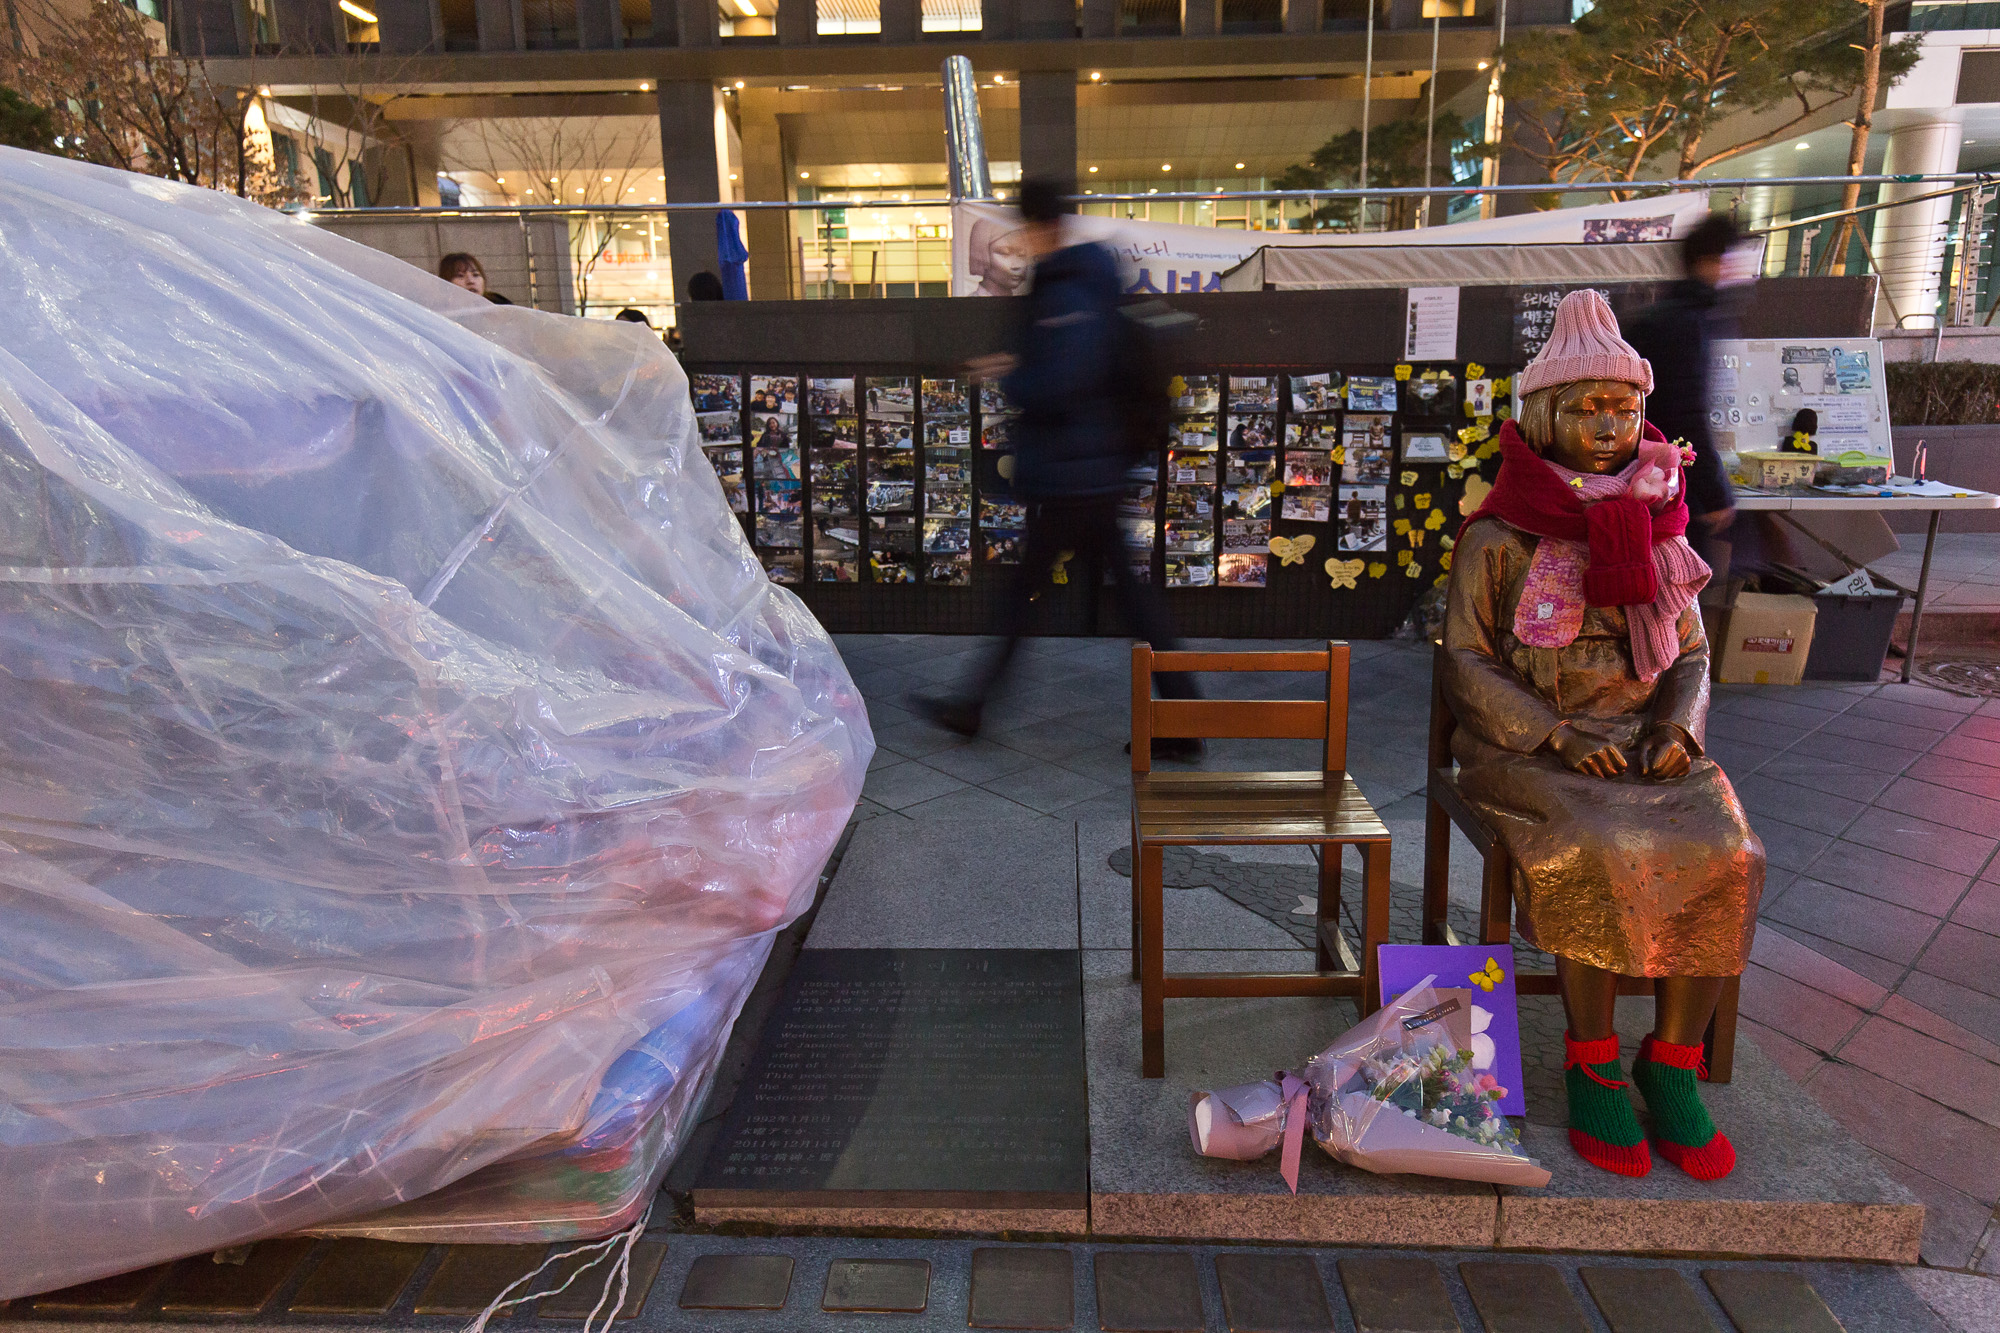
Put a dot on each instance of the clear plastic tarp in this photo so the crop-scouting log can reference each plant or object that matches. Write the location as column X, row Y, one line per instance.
column 406, row 761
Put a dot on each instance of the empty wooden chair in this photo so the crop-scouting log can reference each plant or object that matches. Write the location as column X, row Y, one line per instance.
column 1322, row 809
column 1444, row 808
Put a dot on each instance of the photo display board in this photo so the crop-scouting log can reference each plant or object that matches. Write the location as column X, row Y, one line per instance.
column 1756, row 389
column 1269, row 480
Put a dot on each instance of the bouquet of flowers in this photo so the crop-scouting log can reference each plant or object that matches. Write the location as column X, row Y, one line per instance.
column 1396, row 1094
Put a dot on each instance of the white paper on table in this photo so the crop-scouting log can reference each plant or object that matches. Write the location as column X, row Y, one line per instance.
column 1431, row 327
column 1840, row 412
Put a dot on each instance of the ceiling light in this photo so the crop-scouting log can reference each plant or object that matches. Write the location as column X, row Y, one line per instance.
column 264, row 91
column 998, row 79
column 1166, row 166
column 653, row 199
column 878, row 175
column 1093, row 171
column 739, row 83
column 645, row 87
column 805, row 175
column 579, row 189
column 531, row 189
column 732, row 175
column 607, row 180
column 1802, row 145
column 906, row 198
column 746, row 9
column 662, row 176
column 499, row 180
column 1095, row 76
column 1482, row 64
column 631, row 189
column 357, row 11
column 1239, row 166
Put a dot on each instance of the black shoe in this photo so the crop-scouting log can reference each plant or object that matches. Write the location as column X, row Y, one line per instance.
column 956, row 715
column 1183, row 749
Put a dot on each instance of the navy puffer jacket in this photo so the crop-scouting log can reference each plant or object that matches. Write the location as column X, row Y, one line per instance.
column 1068, row 441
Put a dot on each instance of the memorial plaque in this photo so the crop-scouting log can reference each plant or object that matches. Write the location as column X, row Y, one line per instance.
column 935, row 1078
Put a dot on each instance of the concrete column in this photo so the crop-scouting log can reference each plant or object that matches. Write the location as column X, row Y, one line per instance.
column 1909, row 241
column 766, row 175
column 499, row 25
column 597, row 24
column 1045, row 20
column 691, row 158
column 902, row 21
column 996, row 20
column 798, row 22
column 1201, row 18
column 1302, row 15
column 308, row 25
column 700, row 23
column 1048, row 125
column 1100, row 18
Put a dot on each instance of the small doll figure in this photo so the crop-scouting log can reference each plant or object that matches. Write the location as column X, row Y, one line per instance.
column 1578, row 671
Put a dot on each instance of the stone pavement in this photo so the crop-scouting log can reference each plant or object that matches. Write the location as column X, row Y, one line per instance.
column 1965, row 571
column 1876, row 976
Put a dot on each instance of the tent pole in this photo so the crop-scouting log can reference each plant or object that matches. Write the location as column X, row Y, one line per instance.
column 1367, row 89
column 1430, row 117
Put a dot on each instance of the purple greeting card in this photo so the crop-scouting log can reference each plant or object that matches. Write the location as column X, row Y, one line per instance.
column 1496, row 1025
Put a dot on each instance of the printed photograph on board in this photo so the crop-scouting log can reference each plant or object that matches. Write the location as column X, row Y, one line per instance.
column 1371, row 393
column 1253, row 432
column 890, row 399
column 1317, row 393
column 1307, row 504
column 716, row 393
column 1195, row 393
column 1366, row 441
column 1364, row 518
column 1243, row 571
column 831, row 398
column 774, row 395
column 1253, row 393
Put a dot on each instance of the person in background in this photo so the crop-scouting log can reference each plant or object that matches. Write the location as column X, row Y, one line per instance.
column 466, row 271
column 705, row 286
column 1072, row 449
column 1674, row 336
column 633, row 315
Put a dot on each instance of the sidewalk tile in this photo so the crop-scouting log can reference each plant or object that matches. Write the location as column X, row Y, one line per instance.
column 1514, row 1297
column 1970, row 749
column 1882, row 971
column 1646, row 1300
column 1920, row 840
column 1900, row 1009
column 1957, row 774
column 1786, row 845
column 1818, row 774
column 1054, row 738
column 1926, row 1065
column 979, row 761
column 1973, row 1010
column 1980, row 908
column 916, row 738
column 1892, row 878
column 1856, row 754
column 1969, row 957
column 1022, row 1287
column 1912, row 1129
column 1787, row 957
column 1768, row 1300
column 970, row 803
column 1768, row 797
column 1765, row 707
column 1799, row 1062
column 738, row 1282
column 902, row 785
column 1885, row 709
column 1981, row 725
column 1272, row 1293
column 1045, row 787
column 1397, row 1295
column 1953, row 1221
column 1943, row 805
column 1807, row 1016
column 1741, row 730
column 1871, row 925
column 1923, row 696
column 1881, row 730
column 1148, row 1291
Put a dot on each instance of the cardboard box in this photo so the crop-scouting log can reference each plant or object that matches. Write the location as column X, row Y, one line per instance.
column 1765, row 640
column 1775, row 470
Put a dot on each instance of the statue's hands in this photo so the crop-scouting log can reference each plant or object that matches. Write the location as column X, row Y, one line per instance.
column 1586, row 753
column 1663, row 754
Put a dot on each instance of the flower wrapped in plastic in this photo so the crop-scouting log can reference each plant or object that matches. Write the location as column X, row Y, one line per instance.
column 1397, row 1094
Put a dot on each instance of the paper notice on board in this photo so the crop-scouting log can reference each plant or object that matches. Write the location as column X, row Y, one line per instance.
column 1840, row 412
column 1431, row 331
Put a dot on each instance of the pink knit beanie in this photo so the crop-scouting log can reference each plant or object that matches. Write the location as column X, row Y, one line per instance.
column 1585, row 345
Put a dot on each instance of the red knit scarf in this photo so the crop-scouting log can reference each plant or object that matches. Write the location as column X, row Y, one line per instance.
column 1620, row 533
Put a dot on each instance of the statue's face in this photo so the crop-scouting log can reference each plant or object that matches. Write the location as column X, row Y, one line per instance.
column 1597, row 425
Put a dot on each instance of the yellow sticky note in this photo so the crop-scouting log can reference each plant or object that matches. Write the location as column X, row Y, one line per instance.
column 1444, row 560
column 1447, row 541
column 1453, row 470
column 1340, row 454
column 1403, row 372
column 1474, row 371
column 1435, row 521
column 1401, row 525
column 1417, row 536
column 1404, row 557
column 1399, row 502
column 1424, row 500
column 1377, row 569
column 1413, row 571
column 1409, row 478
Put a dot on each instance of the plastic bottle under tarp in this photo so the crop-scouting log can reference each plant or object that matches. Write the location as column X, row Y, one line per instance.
column 406, row 761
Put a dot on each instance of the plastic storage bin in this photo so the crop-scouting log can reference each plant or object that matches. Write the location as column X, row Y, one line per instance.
column 1851, row 635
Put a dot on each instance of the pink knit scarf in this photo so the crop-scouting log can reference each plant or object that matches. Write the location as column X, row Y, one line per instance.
column 1550, row 612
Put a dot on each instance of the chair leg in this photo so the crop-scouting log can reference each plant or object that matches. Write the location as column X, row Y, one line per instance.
column 1437, row 872
column 1148, row 874
column 1721, row 1037
column 1329, row 907
column 1496, row 898
column 1137, row 940
column 1374, row 921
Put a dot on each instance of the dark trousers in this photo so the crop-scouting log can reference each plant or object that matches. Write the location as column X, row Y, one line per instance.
column 1087, row 526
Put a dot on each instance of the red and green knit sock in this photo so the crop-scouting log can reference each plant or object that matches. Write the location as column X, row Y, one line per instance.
column 1666, row 1075
column 1603, row 1128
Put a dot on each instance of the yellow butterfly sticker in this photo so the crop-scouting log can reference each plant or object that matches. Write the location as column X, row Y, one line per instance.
column 1444, row 562
column 1476, row 490
column 1403, row 557
column 1376, row 569
column 1417, row 536
column 1423, row 500
column 1454, row 450
column 1454, row 471
column 1408, row 478
column 1489, row 976
column 1343, row 572
column 1292, row 550
column 1503, row 386
column 1474, row 371
column 1403, row 372
column 1415, row 571
column 1340, row 454
column 1401, row 525
column 1435, row 520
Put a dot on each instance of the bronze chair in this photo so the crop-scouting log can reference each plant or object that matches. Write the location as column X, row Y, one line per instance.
column 1444, row 808
column 1322, row 809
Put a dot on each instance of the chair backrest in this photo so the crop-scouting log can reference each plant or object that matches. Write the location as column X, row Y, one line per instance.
column 1443, row 721
column 1260, row 719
